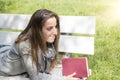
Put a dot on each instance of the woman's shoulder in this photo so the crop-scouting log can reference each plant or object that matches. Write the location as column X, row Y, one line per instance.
column 23, row 47
column 25, row 43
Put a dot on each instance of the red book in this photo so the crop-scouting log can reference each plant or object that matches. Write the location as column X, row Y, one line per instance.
column 77, row 65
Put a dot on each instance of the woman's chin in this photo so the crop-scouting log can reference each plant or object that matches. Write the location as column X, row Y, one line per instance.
column 50, row 41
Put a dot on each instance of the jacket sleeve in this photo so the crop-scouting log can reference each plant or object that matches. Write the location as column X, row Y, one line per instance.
column 24, row 50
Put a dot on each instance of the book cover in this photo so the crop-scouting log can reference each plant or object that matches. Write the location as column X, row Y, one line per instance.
column 77, row 65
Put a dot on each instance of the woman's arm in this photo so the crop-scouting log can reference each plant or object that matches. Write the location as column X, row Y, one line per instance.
column 24, row 50
column 32, row 71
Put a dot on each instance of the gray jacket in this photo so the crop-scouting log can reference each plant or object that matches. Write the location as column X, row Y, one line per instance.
column 16, row 59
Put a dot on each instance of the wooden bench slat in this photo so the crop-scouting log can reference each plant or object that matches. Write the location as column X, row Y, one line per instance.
column 69, row 24
column 8, row 37
column 76, row 44
column 78, row 24
column 14, row 21
column 71, row 44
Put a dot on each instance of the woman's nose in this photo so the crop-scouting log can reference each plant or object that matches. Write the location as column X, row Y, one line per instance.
column 55, row 31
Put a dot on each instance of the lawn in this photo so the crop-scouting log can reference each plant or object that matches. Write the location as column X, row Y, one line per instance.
column 105, row 63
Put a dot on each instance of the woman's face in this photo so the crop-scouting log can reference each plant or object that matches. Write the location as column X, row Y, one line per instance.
column 49, row 30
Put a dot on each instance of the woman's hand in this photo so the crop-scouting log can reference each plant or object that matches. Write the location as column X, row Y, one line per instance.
column 71, row 77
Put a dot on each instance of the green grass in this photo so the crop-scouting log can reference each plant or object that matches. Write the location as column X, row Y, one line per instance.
column 105, row 63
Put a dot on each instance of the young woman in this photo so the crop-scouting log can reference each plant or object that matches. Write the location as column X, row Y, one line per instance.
column 35, row 50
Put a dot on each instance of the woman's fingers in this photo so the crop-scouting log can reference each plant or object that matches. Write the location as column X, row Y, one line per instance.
column 71, row 75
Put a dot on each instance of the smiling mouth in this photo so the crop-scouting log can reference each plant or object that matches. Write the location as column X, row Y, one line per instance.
column 52, row 36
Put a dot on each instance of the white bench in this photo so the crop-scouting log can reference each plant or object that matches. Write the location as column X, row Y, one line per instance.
column 77, row 25
column 77, row 32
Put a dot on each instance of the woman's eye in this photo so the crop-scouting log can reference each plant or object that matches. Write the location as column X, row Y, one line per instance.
column 49, row 28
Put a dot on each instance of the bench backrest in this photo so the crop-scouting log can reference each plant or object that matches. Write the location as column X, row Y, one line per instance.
column 77, row 32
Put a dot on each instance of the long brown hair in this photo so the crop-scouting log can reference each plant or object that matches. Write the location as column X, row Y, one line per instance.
column 33, row 32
